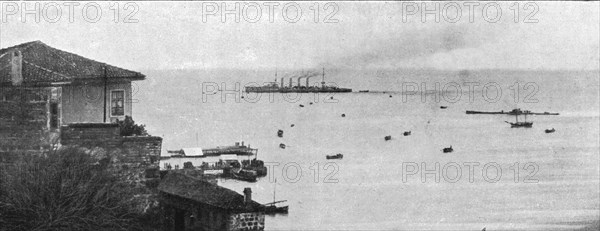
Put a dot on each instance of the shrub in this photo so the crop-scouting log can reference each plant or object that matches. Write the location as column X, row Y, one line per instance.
column 188, row 165
column 63, row 190
column 128, row 127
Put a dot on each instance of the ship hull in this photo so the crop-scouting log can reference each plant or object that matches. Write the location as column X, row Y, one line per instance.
column 521, row 124
column 295, row 90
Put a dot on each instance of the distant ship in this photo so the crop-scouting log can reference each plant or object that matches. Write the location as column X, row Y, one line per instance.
column 274, row 87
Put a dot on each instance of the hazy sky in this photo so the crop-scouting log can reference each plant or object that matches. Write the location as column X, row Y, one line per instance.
column 171, row 35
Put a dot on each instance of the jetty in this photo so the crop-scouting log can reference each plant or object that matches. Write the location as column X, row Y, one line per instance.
column 237, row 149
column 512, row 112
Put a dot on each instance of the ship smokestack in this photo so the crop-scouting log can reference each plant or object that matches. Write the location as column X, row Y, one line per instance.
column 281, row 82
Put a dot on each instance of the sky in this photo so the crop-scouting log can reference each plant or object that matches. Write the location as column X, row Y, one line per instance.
column 193, row 35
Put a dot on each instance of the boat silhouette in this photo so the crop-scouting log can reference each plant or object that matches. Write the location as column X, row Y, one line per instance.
column 336, row 156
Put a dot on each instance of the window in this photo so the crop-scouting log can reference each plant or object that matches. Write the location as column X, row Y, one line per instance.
column 53, row 115
column 117, row 103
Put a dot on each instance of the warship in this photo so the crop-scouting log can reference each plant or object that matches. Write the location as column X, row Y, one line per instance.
column 280, row 87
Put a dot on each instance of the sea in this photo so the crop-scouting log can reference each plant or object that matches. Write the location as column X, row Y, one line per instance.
column 497, row 177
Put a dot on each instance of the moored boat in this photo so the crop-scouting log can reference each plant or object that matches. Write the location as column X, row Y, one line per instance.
column 448, row 150
column 272, row 209
column 520, row 124
column 550, row 130
column 336, row 156
column 244, row 175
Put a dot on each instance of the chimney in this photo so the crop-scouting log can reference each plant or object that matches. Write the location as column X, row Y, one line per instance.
column 247, row 195
column 16, row 71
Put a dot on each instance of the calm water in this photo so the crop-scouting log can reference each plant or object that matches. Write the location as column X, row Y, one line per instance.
column 370, row 193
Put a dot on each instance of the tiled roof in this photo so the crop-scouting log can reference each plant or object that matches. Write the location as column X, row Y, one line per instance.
column 45, row 64
column 184, row 186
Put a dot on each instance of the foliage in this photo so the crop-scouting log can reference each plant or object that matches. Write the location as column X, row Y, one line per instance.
column 130, row 128
column 188, row 165
column 63, row 190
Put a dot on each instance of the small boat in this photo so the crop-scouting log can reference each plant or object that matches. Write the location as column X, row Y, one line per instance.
column 550, row 130
column 244, row 175
column 280, row 133
column 271, row 208
column 363, row 91
column 292, row 125
column 390, row 96
column 336, row 156
column 447, row 150
column 519, row 124
column 282, row 146
column 407, row 133
column 343, row 115
column 331, row 97
column 443, row 107
column 301, row 105
column 386, row 138
column 311, row 103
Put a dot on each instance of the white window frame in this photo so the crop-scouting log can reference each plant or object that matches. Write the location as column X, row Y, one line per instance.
column 110, row 103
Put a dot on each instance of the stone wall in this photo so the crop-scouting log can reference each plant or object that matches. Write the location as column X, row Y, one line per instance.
column 247, row 221
column 24, row 120
column 138, row 156
column 91, row 135
column 141, row 152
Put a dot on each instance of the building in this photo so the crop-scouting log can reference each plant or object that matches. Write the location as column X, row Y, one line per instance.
column 194, row 204
column 43, row 88
column 50, row 97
